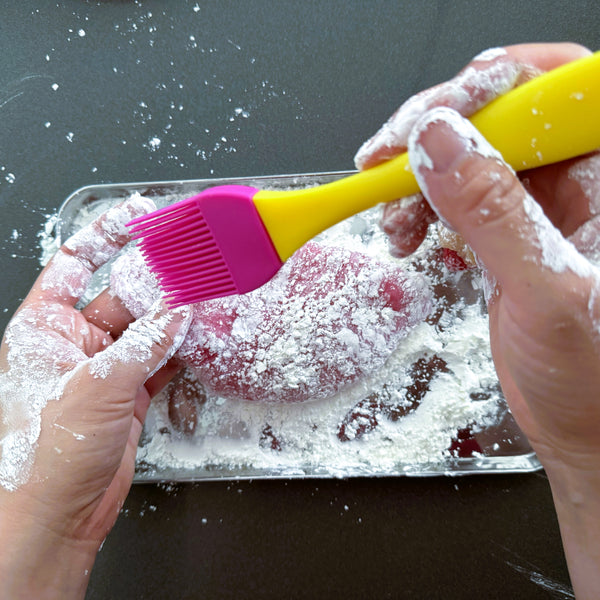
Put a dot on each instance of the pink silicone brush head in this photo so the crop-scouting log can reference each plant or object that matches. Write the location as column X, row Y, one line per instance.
column 208, row 246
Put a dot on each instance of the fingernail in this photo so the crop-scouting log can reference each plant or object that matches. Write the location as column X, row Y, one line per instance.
column 442, row 139
column 393, row 134
column 183, row 316
column 437, row 141
column 181, row 319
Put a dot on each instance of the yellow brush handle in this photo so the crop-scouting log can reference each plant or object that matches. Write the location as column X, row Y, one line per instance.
column 553, row 117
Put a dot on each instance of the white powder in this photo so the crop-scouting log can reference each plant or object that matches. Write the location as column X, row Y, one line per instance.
column 586, row 173
column 490, row 54
column 557, row 253
column 48, row 240
column 136, row 343
column 67, row 276
column 24, row 391
column 230, row 434
column 587, row 240
column 154, row 143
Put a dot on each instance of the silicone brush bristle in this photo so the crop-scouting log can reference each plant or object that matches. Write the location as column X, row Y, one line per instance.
column 208, row 246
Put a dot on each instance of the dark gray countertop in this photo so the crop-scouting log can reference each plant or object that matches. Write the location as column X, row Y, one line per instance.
column 86, row 91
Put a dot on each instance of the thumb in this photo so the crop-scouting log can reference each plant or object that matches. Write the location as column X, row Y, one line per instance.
column 145, row 346
column 477, row 194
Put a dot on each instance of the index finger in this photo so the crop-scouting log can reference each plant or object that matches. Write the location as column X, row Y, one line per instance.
column 489, row 75
column 67, row 276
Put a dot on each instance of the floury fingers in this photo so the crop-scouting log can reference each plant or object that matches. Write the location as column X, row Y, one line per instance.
column 68, row 274
column 160, row 327
column 471, row 187
column 489, row 75
column 48, row 338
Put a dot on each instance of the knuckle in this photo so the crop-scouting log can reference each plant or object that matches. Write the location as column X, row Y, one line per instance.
column 490, row 194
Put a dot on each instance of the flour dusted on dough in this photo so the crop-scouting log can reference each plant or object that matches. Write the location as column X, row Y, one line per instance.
column 233, row 437
column 329, row 317
column 294, row 438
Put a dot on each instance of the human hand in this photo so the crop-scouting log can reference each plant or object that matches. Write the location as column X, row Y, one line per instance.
column 72, row 402
column 566, row 196
column 544, row 309
column 537, row 240
column 541, row 289
column 489, row 75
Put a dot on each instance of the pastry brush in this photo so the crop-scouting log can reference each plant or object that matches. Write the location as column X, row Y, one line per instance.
column 232, row 239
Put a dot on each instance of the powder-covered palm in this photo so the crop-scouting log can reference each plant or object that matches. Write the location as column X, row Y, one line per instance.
column 72, row 400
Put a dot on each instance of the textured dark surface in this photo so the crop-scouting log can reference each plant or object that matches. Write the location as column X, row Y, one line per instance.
column 310, row 81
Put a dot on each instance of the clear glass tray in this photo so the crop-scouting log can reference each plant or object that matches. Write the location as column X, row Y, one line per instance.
column 459, row 423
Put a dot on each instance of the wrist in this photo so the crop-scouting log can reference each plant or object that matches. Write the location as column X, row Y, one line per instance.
column 574, row 478
column 576, row 494
column 37, row 562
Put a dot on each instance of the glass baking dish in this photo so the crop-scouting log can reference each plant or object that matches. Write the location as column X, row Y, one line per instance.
column 459, row 423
